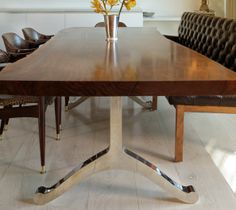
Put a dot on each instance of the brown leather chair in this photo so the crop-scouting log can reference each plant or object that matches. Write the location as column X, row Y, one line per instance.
column 4, row 59
column 215, row 38
column 17, row 47
column 28, row 106
column 34, row 36
column 102, row 24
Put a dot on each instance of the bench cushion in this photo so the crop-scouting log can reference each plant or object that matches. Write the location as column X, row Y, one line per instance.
column 227, row 101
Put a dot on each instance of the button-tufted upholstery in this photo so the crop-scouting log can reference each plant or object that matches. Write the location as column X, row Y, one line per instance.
column 215, row 38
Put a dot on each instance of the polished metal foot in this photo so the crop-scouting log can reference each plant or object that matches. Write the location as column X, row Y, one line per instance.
column 66, row 108
column 44, row 195
column 116, row 157
column 187, row 194
column 43, row 170
column 5, row 127
column 145, row 104
column 72, row 105
column 58, row 137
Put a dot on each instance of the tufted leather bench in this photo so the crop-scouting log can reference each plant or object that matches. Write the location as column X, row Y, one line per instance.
column 215, row 38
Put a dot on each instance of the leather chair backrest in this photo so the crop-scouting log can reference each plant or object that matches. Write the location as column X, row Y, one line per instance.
column 4, row 57
column 13, row 42
column 102, row 24
column 30, row 34
column 213, row 37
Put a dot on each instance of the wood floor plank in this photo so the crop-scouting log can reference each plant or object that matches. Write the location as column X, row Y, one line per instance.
column 199, row 169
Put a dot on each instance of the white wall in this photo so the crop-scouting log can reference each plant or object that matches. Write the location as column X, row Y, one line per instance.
column 169, row 7
column 16, row 21
column 43, row 3
column 177, row 7
column 162, row 7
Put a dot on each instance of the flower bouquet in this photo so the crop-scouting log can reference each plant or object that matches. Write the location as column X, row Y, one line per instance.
column 111, row 19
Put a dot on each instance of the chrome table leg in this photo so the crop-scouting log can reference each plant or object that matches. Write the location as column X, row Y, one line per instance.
column 145, row 104
column 116, row 157
column 79, row 101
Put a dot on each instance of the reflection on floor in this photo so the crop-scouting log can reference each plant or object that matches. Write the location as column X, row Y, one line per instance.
column 151, row 134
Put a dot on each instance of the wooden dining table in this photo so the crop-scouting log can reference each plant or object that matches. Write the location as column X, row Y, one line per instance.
column 79, row 62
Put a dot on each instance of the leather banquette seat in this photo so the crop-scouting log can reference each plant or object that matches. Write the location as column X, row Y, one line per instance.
column 215, row 38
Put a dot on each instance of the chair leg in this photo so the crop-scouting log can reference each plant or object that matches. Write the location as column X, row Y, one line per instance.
column 67, row 98
column 2, row 128
column 154, row 103
column 58, row 116
column 179, row 133
column 41, row 121
column 6, row 121
column 6, row 124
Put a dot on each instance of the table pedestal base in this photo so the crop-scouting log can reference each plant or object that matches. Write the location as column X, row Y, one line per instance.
column 116, row 157
column 145, row 104
column 79, row 101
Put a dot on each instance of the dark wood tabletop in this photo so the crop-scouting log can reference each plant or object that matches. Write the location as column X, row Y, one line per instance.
column 78, row 61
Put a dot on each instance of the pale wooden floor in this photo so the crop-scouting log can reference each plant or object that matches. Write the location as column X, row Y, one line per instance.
column 151, row 134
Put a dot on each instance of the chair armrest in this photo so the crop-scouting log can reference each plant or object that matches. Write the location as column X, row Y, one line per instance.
column 25, row 51
column 172, row 38
column 17, row 56
column 47, row 36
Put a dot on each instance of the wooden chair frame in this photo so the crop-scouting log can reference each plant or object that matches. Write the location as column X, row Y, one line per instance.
column 179, row 126
column 35, row 111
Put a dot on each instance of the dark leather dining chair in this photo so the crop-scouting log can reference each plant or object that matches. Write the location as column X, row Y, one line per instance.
column 34, row 36
column 4, row 59
column 102, row 24
column 17, row 47
column 28, row 106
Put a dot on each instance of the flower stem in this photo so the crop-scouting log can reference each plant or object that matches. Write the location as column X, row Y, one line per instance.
column 105, row 8
column 121, row 7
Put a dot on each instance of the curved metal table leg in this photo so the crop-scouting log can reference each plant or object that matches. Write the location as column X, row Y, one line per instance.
column 44, row 195
column 186, row 194
column 79, row 101
column 145, row 104
column 115, row 157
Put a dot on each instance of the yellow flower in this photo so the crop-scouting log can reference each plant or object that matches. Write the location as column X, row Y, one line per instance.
column 129, row 4
column 96, row 4
column 112, row 2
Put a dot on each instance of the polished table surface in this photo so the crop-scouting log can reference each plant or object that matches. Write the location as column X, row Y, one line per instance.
column 78, row 61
